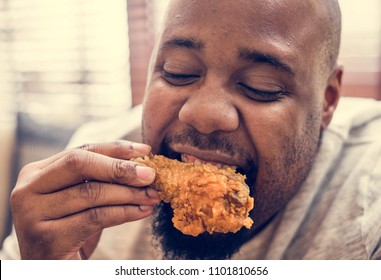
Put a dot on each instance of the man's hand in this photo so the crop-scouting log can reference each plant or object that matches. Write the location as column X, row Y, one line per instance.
column 60, row 205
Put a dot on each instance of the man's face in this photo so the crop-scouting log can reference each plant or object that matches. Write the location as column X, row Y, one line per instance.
column 239, row 83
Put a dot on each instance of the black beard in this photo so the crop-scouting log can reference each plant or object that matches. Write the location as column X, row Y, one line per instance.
column 216, row 246
column 178, row 246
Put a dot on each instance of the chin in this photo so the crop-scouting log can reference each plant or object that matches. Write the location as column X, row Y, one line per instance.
column 176, row 245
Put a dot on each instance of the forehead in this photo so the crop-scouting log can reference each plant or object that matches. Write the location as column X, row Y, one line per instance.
column 283, row 24
column 251, row 15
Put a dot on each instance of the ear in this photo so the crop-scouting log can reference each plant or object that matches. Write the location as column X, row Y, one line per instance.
column 331, row 96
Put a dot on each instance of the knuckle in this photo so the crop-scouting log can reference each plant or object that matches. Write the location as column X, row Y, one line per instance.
column 74, row 160
column 117, row 143
column 122, row 144
column 91, row 191
column 22, row 198
column 128, row 211
column 86, row 147
column 95, row 215
column 133, row 212
column 123, row 169
column 27, row 168
column 65, row 195
column 16, row 199
column 27, row 172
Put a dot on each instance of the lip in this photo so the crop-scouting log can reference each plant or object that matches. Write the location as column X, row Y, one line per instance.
column 197, row 161
column 249, row 169
column 213, row 156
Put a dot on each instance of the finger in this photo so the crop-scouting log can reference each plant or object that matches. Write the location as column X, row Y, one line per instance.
column 64, row 238
column 108, row 216
column 120, row 149
column 79, row 166
column 94, row 194
column 83, row 225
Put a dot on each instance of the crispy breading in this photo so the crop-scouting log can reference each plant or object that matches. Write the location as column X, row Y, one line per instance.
column 203, row 197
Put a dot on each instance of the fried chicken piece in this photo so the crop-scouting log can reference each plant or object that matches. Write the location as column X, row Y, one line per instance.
column 203, row 197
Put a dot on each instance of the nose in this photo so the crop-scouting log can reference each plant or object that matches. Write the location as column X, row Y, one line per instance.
column 210, row 110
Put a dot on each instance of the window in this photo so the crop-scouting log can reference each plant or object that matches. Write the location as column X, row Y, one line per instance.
column 361, row 48
column 66, row 60
column 63, row 63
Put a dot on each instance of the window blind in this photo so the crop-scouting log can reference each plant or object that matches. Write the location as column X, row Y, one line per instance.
column 66, row 59
column 62, row 63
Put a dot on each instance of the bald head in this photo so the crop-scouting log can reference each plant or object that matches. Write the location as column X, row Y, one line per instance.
column 332, row 32
column 326, row 19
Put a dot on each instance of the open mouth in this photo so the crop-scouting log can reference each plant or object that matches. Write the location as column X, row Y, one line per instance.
column 198, row 157
column 198, row 161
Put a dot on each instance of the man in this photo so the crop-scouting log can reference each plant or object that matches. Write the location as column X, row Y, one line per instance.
column 252, row 84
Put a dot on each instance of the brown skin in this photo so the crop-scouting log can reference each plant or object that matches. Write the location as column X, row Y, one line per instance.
column 61, row 205
column 278, row 133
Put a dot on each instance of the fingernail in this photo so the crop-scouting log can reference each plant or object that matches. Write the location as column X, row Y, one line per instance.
column 141, row 148
column 145, row 173
column 152, row 193
column 145, row 207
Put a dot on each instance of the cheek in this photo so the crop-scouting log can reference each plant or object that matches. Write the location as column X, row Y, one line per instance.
column 285, row 140
column 161, row 108
column 281, row 132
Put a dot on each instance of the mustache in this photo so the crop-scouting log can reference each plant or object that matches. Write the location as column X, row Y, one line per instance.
column 216, row 141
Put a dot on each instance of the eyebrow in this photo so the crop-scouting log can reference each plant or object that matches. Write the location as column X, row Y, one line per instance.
column 189, row 43
column 260, row 57
column 244, row 54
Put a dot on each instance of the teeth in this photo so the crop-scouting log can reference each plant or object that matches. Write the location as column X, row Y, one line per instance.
column 183, row 158
column 197, row 162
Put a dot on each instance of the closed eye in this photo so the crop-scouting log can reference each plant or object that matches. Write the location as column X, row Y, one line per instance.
column 179, row 79
column 261, row 95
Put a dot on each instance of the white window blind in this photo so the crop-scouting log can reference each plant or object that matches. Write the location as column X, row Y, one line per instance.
column 62, row 63
column 65, row 59
column 360, row 49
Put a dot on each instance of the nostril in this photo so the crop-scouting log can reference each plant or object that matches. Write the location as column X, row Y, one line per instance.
column 208, row 116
